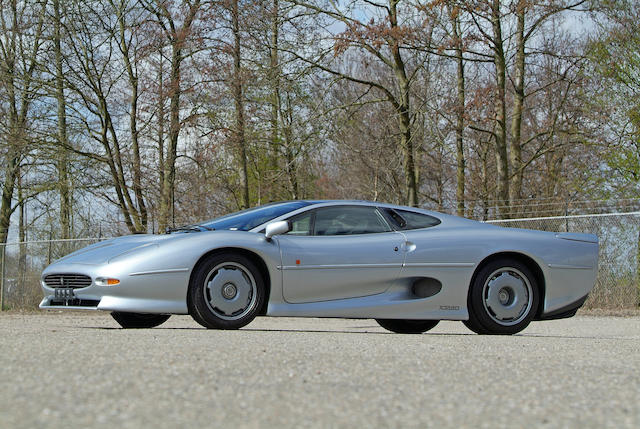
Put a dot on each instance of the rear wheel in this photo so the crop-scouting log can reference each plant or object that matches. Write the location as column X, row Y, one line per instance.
column 475, row 328
column 503, row 298
column 139, row 320
column 407, row 326
column 226, row 291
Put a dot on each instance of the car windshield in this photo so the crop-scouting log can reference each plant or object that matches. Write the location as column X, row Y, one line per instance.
column 250, row 218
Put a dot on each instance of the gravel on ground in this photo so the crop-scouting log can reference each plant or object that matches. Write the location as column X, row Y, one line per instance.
column 79, row 370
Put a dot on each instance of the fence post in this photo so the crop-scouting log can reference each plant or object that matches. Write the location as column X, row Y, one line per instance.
column 4, row 253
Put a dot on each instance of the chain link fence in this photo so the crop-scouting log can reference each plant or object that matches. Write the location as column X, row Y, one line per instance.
column 22, row 263
column 617, row 285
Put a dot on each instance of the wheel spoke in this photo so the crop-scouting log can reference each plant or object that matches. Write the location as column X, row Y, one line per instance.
column 507, row 296
column 230, row 291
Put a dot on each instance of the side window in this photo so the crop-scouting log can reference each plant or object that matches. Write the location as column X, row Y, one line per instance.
column 301, row 224
column 347, row 220
column 398, row 220
column 405, row 219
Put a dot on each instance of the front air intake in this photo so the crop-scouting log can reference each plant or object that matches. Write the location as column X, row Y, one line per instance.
column 74, row 281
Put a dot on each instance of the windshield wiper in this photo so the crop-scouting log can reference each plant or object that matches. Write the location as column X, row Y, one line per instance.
column 189, row 228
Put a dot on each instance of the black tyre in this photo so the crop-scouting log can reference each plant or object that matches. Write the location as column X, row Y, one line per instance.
column 475, row 328
column 406, row 326
column 503, row 298
column 226, row 291
column 139, row 320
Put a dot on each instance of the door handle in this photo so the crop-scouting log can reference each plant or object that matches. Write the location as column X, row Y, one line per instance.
column 409, row 246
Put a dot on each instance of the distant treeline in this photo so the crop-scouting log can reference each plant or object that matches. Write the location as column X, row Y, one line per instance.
column 134, row 115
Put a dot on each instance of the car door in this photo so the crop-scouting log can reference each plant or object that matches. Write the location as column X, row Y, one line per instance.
column 339, row 252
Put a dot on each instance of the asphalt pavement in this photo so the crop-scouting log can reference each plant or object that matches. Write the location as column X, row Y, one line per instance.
column 79, row 370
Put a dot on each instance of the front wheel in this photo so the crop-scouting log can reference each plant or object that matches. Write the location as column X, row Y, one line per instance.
column 139, row 320
column 226, row 291
column 503, row 298
column 406, row 326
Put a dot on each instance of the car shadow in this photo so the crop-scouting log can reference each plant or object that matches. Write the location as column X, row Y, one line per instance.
column 357, row 331
column 299, row 331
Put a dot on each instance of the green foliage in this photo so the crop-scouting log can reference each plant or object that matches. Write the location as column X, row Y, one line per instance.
column 614, row 52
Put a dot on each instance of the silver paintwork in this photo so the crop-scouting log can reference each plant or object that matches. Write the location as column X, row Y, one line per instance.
column 361, row 276
column 336, row 267
column 276, row 228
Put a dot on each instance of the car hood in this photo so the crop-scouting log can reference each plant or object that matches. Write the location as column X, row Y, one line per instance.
column 102, row 252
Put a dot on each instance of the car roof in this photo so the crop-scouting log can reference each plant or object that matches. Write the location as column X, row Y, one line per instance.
column 444, row 218
column 370, row 203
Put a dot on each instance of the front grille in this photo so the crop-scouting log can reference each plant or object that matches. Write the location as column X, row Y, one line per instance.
column 67, row 280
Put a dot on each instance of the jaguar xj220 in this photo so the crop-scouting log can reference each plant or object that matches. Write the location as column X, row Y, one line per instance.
column 405, row 267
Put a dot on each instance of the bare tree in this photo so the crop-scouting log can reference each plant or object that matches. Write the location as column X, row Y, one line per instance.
column 176, row 25
column 382, row 40
column 536, row 14
column 21, row 42
column 126, row 38
column 61, row 116
column 93, row 76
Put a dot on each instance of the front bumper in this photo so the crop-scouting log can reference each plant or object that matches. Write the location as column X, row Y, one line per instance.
column 138, row 292
column 114, row 303
column 51, row 303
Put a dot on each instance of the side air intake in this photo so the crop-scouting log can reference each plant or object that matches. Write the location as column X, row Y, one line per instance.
column 425, row 287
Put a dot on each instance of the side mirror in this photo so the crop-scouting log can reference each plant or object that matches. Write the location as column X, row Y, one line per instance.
column 275, row 228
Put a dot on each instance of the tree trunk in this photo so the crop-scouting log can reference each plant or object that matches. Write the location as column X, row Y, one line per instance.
column 141, row 213
column 403, row 110
column 485, row 180
column 177, row 37
column 169, row 167
column 12, row 157
column 117, row 169
column 10, row 174
column 290, row 167
column 515, row 149
column 160, row 115
column 113, row 169
column 274, row 79
column 63, row 142
column 500, row 130
column 22, row 236
column 460, row 159
column 239, row 135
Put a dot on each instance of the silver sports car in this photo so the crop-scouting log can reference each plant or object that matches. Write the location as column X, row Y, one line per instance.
column 405, row 267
